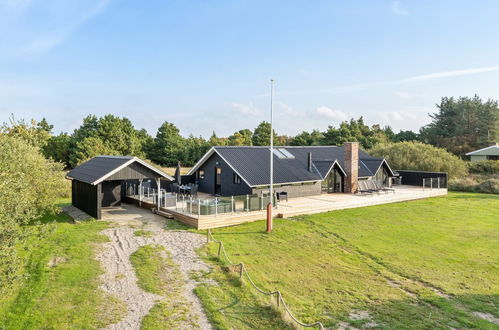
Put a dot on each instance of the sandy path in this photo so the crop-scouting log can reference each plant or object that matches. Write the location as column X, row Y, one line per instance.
column 120, row 280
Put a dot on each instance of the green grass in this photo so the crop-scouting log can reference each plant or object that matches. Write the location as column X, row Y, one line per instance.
column 157, row 273
column 390, row 260
column 144, row 233
column 60, row 286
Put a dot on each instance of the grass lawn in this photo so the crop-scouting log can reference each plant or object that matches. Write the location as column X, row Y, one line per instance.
column 60, row 289
column 420, row 264
column 157, row 273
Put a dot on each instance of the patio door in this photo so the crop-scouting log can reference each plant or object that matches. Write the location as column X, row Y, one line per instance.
column 218, row 180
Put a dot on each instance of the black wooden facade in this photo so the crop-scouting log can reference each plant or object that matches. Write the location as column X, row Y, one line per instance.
column 228, row 185
column 109, row 189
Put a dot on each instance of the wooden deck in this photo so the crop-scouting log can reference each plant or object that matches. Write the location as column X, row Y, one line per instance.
column 304, row 205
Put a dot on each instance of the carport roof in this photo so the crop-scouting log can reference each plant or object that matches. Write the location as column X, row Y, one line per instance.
column 99, row 168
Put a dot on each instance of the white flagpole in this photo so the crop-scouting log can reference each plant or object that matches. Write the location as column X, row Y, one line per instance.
column 272, row 142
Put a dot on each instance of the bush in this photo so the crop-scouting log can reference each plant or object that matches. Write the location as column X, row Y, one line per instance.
column 484, row 167
column 419, row 156
column 29, row 186
column 476, row 183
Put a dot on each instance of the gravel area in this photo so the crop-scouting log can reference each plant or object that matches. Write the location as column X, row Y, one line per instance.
column 119, row 278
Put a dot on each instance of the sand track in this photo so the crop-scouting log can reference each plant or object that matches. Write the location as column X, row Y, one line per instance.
column 120, row 280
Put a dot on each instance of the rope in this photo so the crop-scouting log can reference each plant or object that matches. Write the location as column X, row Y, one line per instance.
column 243, row 271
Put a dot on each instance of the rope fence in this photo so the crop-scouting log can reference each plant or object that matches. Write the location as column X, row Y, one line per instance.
column 243, row 272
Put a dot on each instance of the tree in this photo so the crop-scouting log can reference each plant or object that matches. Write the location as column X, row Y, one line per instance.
column 90, row 147
column 34, row 133
column 308, row 139
column 418, row 156
column 241, row 138
column 29, row 185
column 261, row 135
column 58, row 148
column 216, row 141
column 406, row 136
column 195, row 147
column 463, row 125
column 168, row 145
column 356, row 130
column 112, row 134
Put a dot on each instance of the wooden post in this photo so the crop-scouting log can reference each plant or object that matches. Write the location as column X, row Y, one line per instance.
column 247, row 203
column 231, row 204
column 216, row 206
column 269, row 217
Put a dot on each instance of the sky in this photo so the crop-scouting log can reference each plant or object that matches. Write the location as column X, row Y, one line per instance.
column 206, row 65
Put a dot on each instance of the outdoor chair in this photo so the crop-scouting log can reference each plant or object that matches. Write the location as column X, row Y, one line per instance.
column 194, row 191
column 281, row 195
column 385, row 189
column 371, row 184
column 363, row 189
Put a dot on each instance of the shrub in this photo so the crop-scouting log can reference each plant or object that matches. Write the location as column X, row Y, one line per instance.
column 419, row 156
column 29, row 186
column 476, row 183
column 484, row 167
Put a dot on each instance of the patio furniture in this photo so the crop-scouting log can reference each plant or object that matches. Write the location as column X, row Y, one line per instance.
column 372, row 185
column 364, row 189
column 281, row 195
column 380, row 187
column 194, row 191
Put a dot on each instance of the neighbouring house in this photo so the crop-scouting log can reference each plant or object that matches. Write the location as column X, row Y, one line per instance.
column 298, row 171
column 101, row 181
column 488, row 153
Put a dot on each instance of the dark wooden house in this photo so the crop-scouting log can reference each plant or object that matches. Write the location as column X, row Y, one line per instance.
column 298, row 171
column 101, row 181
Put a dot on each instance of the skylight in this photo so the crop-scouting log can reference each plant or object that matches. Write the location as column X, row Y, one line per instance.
column 282, row 153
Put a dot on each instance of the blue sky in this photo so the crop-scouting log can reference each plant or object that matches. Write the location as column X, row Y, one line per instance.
column 206, row 65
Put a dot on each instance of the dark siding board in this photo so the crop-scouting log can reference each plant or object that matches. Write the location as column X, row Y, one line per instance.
column 415, row 178
column 229, row 188
column 135, row 171
column 85, row 197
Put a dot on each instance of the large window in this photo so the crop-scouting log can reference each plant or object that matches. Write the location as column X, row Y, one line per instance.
column 237, row 178
column 201, row 174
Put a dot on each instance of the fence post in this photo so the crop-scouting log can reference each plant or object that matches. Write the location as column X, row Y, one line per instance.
column 241, row 270
column 424, row 183
column 261, row 201
column 247, row 203
column 232, row 204
column 176, row 202
column 219, row 249
column 431, row 183
column 207, row 236
column 190, row 204
column 183, row 203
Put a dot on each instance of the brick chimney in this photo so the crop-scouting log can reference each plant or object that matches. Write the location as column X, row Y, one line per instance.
column 351, row 161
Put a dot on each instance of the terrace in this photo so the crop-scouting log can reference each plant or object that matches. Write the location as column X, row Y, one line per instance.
column 208, row 211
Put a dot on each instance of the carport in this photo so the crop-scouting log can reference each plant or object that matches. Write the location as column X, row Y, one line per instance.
column 101, row 181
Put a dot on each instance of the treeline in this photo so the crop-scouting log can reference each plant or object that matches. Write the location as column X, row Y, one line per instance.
column 459, row 126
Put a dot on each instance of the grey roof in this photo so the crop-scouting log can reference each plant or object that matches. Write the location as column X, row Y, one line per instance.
column 252, row 163
column 100, row 167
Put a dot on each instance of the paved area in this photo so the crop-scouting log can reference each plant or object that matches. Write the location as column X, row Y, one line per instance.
column 119, row 278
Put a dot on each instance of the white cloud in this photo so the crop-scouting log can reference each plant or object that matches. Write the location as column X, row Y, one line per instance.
column 398, row 10
column 329, row 113
column 246, row 109
column 447, row 74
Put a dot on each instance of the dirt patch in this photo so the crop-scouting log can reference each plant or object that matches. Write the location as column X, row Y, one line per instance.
column 486, row 316
column 55, row 261
column 120, row 279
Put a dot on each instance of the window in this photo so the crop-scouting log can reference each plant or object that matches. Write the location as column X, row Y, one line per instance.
column 237, row 178
column 282, row 153
column 201, row 174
